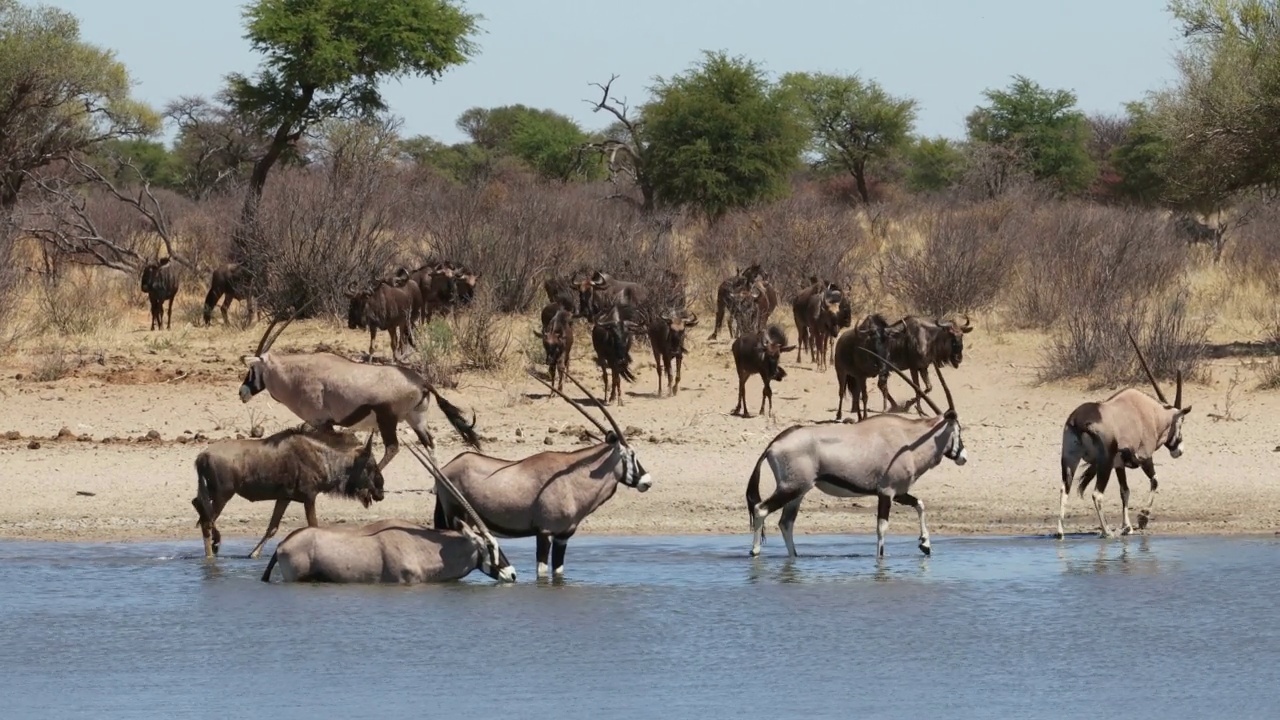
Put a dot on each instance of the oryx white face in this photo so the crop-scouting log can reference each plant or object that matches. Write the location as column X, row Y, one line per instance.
column 1174, row 444
column 493, row 561
column 955, row 443
column 255, row 379
column 633, row 473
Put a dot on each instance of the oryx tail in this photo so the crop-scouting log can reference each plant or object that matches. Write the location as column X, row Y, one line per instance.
column 455, row 416
column 753, row 489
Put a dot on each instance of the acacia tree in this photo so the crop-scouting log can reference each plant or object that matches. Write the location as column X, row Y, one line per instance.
column 545, row 140
column 1043, row 126
column 853, row 122
column 59, row 95
column 720, row 136
column 933, row 164
column 326, row 59
column 1216, row 127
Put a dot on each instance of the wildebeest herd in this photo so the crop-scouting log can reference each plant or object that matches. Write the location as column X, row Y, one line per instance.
column 480, row 498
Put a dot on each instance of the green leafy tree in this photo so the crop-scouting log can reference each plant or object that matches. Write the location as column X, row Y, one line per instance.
column 1141, row 159
column 1044, row 125
column 1219, row 121
column 548, row 142
column 720, row 136
column 854, row 123
column 466, row 163
column 127, row 161
column 59, row 95
column 326, row 59
column 933, row 164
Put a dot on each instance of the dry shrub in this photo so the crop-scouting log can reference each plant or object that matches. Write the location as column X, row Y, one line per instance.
column 83, row 303
column 961, row 266
column 435, row 342
column 11, row 281
column 482, row 341
column 792, row 239
column 1253, row 260
column 1079, row 259
column 323, row 226
column 204, row 235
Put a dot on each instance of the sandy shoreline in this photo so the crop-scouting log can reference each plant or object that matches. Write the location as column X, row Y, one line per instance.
column 700, row 456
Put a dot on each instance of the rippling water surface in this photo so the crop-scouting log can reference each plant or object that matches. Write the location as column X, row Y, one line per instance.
column 669, row 628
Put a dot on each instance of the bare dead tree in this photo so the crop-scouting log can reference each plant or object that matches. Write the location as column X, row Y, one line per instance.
column 217, row 144
column 624, row 148
column 74, row 215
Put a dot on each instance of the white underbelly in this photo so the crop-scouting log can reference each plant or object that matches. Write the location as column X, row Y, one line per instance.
column 836, row 490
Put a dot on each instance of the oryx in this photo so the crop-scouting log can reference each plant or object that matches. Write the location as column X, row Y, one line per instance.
column 326, row 389
column 393, row 551
column 548, row 494
column 882, row 456
column 1123, row 431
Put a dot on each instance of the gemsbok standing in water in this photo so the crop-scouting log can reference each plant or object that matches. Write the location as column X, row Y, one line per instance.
column 325, row 389
column 1123, row 431
column 393, row 551
column 547, row 495
column 882, row 455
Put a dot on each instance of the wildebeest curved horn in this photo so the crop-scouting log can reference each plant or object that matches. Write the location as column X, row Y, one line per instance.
column 607, row 416
column 430, row 465
column 599, row 426
column 932, row 405
column 967, row 325
column 1143, row 361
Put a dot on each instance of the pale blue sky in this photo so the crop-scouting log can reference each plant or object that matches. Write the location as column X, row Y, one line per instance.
column 944, row 53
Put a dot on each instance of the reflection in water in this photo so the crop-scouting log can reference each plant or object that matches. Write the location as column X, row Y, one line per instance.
column 1129, row 555
column 681, row 628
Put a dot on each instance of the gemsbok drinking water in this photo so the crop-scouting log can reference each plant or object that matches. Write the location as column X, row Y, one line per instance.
column 393, row 551
column 1123, row 431
column 882, row 455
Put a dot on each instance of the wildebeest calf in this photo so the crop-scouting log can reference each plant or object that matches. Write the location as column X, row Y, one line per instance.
column 557, row 341
column 666, row 337
column 759, row 353
column 294, row 465
column 160, row 283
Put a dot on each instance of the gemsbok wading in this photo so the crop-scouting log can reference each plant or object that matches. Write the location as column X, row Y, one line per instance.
column 392, row 551
column 882, row 456
column 1123, row 431
column 325, row 389
column 294, row 465
column 546, row 495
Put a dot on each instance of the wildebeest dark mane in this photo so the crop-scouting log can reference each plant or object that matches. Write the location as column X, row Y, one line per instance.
column 332, row 439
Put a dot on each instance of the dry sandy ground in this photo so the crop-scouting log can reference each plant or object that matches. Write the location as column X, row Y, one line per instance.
column 699, row 455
